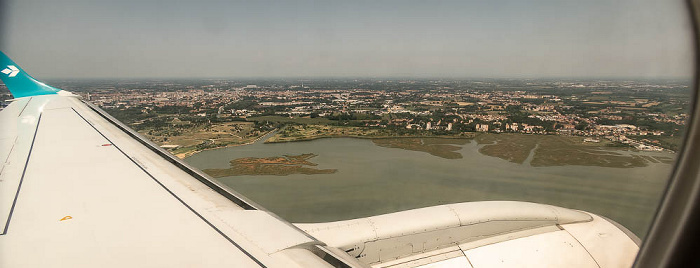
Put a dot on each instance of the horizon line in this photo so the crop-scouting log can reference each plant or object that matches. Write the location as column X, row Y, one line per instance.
column 316, row 78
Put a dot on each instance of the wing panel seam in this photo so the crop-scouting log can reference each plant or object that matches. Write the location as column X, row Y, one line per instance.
column 4, row 161
column 173, row 194
column 25, row 107
column 584, row 247
column 234, row 197
column 24, row 171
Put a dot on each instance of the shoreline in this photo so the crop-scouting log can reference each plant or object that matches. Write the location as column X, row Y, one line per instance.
column 371, row 137
column 472, row 136
column 191, row 153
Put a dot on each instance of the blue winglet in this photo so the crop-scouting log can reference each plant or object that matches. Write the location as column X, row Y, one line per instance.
column 19, row 82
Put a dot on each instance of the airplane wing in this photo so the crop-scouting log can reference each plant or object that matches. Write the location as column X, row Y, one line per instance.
column 80, row 189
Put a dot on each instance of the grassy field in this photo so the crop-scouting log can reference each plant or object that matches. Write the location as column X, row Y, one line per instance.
column 440, row 147
column 551, row 150
column 286, row 119
column 311, row 132
column 512, row 147
column 280, row 166
column 194, row 139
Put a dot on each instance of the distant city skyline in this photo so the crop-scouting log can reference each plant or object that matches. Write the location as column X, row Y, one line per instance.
column 385, row 39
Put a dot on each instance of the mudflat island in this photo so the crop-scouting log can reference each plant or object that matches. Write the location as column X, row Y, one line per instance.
column 278, row 165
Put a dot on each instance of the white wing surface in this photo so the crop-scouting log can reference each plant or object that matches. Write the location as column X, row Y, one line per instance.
column 79, row 191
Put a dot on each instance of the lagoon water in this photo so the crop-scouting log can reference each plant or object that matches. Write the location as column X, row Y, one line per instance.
column 373, row 180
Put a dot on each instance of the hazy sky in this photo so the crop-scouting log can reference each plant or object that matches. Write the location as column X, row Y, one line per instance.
column 490, row 38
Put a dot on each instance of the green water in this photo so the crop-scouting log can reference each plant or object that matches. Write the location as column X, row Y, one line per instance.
column 374, row 180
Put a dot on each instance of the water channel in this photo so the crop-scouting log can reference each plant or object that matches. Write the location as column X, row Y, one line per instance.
column 374, row 180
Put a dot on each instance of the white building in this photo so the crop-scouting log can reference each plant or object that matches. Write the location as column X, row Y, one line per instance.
column 482, row 127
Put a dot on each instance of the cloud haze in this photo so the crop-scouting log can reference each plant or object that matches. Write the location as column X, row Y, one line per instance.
column 128, row 38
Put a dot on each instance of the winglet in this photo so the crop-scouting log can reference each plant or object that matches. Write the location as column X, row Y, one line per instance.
column 19, row 82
